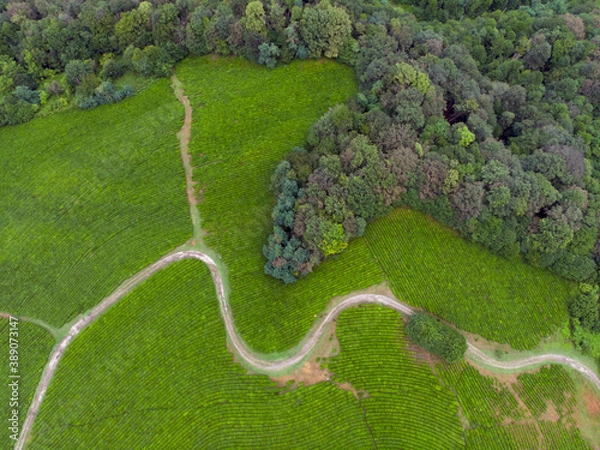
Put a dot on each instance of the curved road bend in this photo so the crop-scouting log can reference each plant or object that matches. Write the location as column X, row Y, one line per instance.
column 240, row 346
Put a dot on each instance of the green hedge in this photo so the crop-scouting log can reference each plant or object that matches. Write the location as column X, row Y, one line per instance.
column 436, row 337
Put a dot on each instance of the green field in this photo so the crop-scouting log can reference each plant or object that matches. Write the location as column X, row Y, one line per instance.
column 154, row 372
column 246, row 118
column 34, row 345
column 429, row 266
column 161, row 377
column 374, row 358
column 160, row 364
column 494, row 419
column 89, row 199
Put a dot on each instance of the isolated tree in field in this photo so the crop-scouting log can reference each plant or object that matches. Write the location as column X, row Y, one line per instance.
column 436, row 337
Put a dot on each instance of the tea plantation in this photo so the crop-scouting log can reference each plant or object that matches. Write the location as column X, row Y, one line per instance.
column 89, row 199
column 245, row 118
column 162, row 377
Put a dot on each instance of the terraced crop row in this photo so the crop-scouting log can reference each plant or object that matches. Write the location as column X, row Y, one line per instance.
column 510, row 437
column 550, row 384
column 430, row 266
column 400, row 390
column 484, row 402
column 556, row 435
column 495, row 421
column 89, row 199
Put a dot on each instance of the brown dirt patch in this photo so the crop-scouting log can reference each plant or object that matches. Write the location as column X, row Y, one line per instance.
column 551, row 414
column 310, row 373
column 592, row 403
column 348, row 387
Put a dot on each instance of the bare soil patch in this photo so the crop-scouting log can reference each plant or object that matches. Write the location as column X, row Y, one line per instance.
column 310, row 373
column 592, row 403
column 348, row 387
column 551, row 414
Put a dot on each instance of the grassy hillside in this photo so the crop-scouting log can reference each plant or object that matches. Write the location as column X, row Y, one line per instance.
column 245, row 118
column 88, row 199
column 430, row 266
column 154, row 372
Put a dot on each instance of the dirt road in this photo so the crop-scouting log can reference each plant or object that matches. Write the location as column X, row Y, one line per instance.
column 259, row 362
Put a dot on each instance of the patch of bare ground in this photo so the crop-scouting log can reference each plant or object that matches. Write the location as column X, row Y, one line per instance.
column 592, row 403
column 586, row 414
column 312, row 372
column 348, row 387
column 551, row 414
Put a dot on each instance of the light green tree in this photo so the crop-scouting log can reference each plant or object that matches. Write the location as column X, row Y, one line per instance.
column 255, row 18
column 333, row 238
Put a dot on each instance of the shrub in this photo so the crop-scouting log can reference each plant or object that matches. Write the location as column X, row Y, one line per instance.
column 436, row 337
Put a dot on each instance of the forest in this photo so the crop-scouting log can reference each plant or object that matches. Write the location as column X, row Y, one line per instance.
column 484, row 115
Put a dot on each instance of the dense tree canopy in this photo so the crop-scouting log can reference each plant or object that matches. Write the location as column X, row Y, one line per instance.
column 484, row 114
column 436, row 337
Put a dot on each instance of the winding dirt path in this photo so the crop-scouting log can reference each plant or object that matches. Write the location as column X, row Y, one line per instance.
column 259, row 362
column 262, row 363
